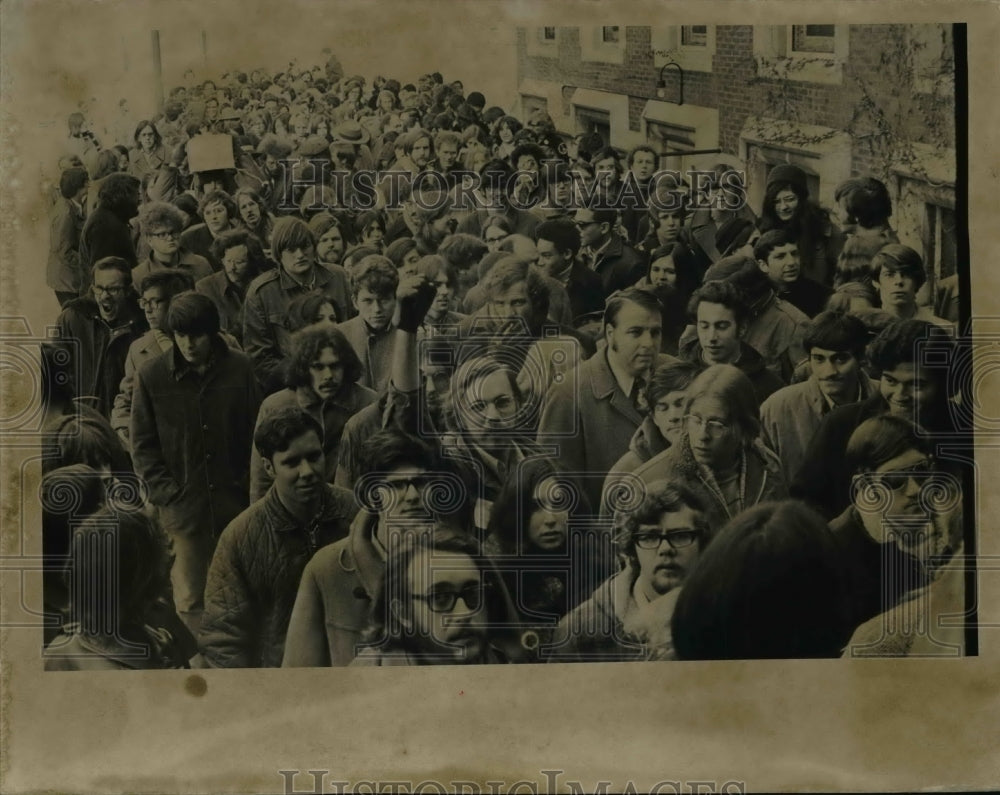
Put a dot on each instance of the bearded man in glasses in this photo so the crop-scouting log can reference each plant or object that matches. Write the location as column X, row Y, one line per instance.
column 628, row 616
column 442, row 603
column 406, row 489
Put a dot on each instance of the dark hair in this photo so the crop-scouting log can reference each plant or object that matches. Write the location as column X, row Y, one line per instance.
column 670, row 377
column 398, row 249
column 529, row 149
column 510, row 516
column 836, row 331
column 431, row 266
column 83, row 439
column 221, row 197
column 120, row 553
column 193, row 314
column 392, row 448
column 276, row 432
column 118, row 193
column 642, row 148
column 290, row 233
column 232, row 238
column 632, row 295
column 157, row 138
column 71, row 182
column 866, row 201
column 898, row 257
column 724, row 293
column 510, row 271
column 463, row 251
column 376, row 274
column 302, row 309
column 661, row 497
column 113, row 264
column 562, row 233
column 384, row 622
column 155, row 215
column 769, row 241
column 309, row 342
column 880, row 439
column 172, row 282
column 902, row 341
column 770, row 585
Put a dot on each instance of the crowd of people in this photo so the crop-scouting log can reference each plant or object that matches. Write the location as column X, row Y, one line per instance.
column 356, row 373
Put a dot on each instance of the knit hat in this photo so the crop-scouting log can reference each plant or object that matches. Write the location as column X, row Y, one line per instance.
column 793, row 175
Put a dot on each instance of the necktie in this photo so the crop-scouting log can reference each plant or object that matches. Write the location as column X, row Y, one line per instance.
column 638, row 395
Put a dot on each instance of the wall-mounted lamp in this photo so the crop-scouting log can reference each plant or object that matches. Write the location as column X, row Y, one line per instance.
column 661, row 84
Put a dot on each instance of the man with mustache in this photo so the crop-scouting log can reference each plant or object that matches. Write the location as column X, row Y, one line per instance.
column 407, row 489
column 442, row 603
column 628, row 616
column 912, row 359
column 835, row 345
column 256, row 567
column 777, row 255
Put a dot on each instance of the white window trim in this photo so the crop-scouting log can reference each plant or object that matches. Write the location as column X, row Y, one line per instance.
column 772, row 49
column 593, row 48
column 667, row 46
column 820, row 150
column 537, row 46
column 704, row 121
column 616, row 106
column 552, row 94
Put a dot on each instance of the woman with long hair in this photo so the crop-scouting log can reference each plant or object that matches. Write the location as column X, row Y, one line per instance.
column 787, row 206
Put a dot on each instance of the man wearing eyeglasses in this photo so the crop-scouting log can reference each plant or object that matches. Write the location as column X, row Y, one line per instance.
column 160, row 224
column 406, row 489
column 102, row 327
column 628, row 616
column 442, row 603
column 904, row 519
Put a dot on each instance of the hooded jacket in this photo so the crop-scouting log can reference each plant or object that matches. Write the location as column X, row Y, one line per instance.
column 255, row 574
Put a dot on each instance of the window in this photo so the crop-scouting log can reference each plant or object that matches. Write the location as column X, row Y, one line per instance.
column 802, row 53
column 690, row 46
column 592, row 120
column 543, row 42
column 670, row 140
column 603, row 44
column 940, row 240
column 813, row 38
column 694, row 35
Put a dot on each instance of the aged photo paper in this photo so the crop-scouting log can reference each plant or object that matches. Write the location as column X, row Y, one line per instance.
column 928, row 722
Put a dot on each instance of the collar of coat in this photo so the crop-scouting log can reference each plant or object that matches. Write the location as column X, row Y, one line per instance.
column 760, row 463
column 278, row 518
column 320, row 278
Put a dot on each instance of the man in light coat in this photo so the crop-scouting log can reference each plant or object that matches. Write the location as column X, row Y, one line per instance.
column 835, row 344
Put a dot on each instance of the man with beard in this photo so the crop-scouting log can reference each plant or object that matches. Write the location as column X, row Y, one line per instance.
column 102, row 328
column 628, row 616
column 371, row 334
column 835, row 346
column 161, row 224
column 266, row 334
column 446, row 146
column 495, row 189
column 322, row 375
column 276, row 188
column 242, row 261
column 338, row 585
column 593, row 415
column 261, row 554
column 908, row 387
column 442, row 603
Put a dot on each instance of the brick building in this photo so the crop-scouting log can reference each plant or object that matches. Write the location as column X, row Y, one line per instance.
column 837, row 100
